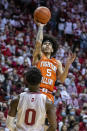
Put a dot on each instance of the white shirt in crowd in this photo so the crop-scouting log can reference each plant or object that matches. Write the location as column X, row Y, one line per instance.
column 68, row 28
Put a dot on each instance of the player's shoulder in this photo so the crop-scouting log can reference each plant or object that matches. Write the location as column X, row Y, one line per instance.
column 43, row 96
column 56, row 61
column 22, row 94
column 15, row 101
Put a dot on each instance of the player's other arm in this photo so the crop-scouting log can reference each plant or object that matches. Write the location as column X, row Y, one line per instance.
column 62, row 75
column 10, row 122
column 37, row 50
column 51, row 114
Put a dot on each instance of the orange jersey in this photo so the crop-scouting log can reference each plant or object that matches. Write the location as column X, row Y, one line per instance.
column 48, row 68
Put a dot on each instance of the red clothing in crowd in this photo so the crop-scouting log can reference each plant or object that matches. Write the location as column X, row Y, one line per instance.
column 80, row 89
column 5, row 113
column 82, row 127
column 81, row 60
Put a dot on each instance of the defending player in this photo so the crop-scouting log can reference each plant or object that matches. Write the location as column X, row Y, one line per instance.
column 51, row 68
column 31, row 107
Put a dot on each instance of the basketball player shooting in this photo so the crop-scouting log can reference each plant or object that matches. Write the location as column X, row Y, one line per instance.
column 30, row 108
column 51, row 69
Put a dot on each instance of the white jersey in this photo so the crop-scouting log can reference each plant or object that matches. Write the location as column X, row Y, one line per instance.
column 31, row 112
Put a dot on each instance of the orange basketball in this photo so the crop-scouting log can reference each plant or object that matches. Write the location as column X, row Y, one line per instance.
column 42, row 14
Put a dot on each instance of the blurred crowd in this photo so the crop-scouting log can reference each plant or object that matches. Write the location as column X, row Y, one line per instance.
column 17, row 39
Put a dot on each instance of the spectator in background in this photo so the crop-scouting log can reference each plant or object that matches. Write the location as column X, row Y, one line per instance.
column 72, row 121
column 68, row 30
column 64, row 128
column 86, row 80
column 83, row 124
column 83, row 39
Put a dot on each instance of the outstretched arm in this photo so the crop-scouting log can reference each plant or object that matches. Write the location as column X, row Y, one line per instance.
column 37, row 50
column 51, row 114
column 12, row 114
column 61, row 75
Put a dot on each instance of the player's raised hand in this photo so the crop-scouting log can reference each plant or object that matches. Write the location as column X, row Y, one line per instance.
column 39, row 24
column 70, row 58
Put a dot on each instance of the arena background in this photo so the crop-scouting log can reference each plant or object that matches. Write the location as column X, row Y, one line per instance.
column 17, row 40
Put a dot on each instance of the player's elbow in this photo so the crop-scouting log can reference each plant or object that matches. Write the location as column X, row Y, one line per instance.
column 52, row 128
column 62, row 78
column 62, row 81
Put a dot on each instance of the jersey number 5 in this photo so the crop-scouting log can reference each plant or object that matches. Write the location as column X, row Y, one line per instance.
column 30, row 115
column 48, row 72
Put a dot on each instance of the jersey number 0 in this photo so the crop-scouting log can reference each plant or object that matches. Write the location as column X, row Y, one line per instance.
column 30, row 115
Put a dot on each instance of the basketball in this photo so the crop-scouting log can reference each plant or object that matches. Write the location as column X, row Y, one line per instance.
column 42, row 14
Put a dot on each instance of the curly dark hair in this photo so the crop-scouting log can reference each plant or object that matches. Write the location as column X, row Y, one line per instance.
column 53, row 41
column 33, row 76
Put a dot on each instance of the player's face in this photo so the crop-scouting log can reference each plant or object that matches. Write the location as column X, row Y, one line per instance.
column 47, row 47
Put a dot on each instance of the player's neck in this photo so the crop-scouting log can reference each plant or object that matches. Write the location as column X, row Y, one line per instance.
column 47, row 55
column 34, row 89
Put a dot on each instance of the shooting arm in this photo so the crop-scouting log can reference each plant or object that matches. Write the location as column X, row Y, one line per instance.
column 37, row 50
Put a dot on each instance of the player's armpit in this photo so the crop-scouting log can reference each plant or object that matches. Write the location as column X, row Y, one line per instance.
column 51, row 114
